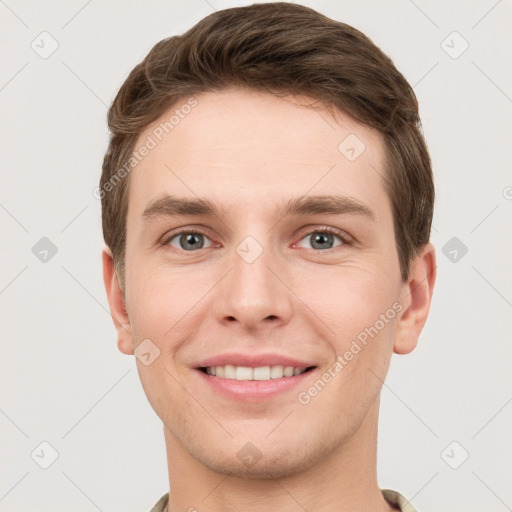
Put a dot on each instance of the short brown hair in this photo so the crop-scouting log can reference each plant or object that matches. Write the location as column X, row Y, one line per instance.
column 285, row 48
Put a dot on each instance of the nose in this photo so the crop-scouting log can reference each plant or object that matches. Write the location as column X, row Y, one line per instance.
column 254, row 293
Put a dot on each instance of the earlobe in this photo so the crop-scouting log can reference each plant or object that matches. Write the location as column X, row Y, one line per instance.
column 416, row 297
column 117, row 304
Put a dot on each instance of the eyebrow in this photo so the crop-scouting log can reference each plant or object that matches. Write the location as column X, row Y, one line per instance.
column 169, row 206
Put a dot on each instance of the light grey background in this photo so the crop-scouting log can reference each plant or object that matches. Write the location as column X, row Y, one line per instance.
column 63, row 380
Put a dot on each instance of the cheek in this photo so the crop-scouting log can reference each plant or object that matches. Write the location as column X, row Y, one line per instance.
column 162, row 306
column 357, row 306
column 349, row 300
column 163, row 301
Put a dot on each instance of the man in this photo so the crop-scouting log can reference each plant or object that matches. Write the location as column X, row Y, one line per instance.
column 267, row 199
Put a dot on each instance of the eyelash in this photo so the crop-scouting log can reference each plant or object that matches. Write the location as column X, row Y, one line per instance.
column 325, row 229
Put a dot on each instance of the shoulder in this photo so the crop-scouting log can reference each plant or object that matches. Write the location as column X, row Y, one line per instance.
column 397, row 500
column 160, row 504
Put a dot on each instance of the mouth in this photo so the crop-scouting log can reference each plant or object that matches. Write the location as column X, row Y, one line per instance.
column 255, row 384
column 258, row 373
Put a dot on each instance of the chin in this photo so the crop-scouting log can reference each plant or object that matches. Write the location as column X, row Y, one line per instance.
column 251, row 463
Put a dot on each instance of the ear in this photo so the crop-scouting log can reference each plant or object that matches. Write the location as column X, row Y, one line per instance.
column 415, row 298
column 117, row 304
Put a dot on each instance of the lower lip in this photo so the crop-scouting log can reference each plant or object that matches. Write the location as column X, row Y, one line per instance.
column 253, row 390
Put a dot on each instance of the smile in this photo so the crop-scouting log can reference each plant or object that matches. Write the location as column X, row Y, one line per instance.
column 230, row 371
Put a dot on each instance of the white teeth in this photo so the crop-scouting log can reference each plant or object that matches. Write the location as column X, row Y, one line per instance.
column 230, row 371
column 276, row 372
column 243, row 373
column 289, row 371
column 262, row 373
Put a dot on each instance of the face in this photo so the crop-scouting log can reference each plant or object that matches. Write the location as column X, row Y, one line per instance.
column 295, row 263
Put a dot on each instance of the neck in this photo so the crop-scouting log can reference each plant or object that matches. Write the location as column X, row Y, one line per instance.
column 344, row 479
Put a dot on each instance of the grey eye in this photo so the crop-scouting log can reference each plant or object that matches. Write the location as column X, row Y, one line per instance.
column 321, row 240
column 188, row 241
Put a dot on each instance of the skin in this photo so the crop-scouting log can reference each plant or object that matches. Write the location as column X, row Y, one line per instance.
column 248, row 151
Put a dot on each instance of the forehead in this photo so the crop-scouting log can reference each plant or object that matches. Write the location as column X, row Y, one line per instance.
column 243, row 147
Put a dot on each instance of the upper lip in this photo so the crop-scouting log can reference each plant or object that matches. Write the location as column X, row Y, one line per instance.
column 254, row 360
